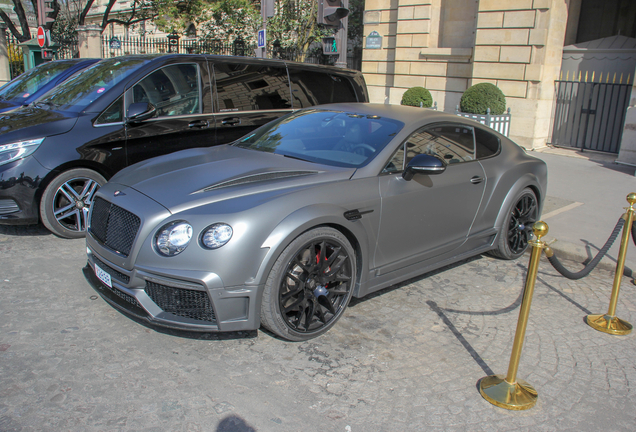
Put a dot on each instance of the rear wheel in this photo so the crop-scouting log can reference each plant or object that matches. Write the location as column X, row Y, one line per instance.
column 516, row 231
column 67, row 200
column 310, row 285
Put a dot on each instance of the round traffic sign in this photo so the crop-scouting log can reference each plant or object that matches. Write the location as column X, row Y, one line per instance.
column 41, row 37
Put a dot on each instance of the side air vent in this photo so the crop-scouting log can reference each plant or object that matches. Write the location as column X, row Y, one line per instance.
column 257, row 178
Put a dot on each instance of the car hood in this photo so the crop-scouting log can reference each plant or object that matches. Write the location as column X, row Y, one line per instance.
column 33, row 122
column 196, row 177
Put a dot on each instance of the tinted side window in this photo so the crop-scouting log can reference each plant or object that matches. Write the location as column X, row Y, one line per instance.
column 450, row 143
column 311, row 88
column 487, row 144
column 113, row 114
column 242, row 87
column 173, row 90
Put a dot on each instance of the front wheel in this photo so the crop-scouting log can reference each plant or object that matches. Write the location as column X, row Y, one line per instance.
column 310, row 285
column 67, row 200
column 516, row 230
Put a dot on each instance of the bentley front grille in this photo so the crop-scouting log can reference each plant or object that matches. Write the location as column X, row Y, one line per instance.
column 113, row 226
column 182, row 302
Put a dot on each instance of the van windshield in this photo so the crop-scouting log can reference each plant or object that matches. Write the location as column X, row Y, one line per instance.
column 81, row 90
column 32, row 80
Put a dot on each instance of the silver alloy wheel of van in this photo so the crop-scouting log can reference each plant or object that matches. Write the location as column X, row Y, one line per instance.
column 67, row 200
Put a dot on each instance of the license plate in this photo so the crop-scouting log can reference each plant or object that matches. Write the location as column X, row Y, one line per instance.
column 103, row 276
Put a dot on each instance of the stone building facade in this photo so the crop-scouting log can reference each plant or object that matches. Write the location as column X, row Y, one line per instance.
column 448, row 45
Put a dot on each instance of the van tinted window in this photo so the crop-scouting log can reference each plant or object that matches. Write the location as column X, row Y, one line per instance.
column 311, row 88
column 241, row 87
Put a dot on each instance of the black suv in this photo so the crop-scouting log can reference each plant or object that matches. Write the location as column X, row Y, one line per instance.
column 56, row 152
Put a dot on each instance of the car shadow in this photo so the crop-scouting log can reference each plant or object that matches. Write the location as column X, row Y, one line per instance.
column 35, row 230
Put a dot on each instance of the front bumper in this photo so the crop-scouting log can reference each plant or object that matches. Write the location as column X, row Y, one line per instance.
column 189, row 303
column 20, row 182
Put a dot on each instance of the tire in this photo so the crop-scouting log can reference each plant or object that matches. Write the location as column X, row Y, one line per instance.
column 303, row 296
column 516, row 230
column 66, row 201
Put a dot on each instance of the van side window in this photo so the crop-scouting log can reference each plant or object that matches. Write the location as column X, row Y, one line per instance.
column 173, row 90
column 241, row 87
column 311, row 88
column 113, row 114
column 487, row 144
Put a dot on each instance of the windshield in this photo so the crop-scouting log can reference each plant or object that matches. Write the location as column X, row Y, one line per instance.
column 334, row 138
column 32, row 80
column 81, row 90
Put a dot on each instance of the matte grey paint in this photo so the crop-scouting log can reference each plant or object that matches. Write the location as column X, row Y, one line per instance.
column 267, row 215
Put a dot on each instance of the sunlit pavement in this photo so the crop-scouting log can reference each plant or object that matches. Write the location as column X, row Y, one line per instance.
column 407, row 359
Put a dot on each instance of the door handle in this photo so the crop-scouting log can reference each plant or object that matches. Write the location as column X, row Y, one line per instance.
column 202, row 124
column 476, row 180
column 231, row 121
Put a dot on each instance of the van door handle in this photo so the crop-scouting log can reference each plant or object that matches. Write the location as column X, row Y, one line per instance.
column 202, row 124
column 231, row 121
column 476, row 180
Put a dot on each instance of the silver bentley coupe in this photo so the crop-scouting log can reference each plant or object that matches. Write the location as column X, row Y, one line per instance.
column 283, row 226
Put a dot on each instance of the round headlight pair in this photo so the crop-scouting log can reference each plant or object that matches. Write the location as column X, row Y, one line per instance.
column 173, row 238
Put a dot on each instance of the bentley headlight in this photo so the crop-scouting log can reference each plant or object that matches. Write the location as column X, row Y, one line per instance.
column 216, row 235
column 18, row 150
column 173, row 238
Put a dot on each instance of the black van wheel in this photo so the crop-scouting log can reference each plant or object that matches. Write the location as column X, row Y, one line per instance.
column 67, row 200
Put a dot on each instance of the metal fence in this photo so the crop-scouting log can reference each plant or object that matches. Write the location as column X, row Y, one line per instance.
column 590, row 115
column 498, row 122
column 115, row 46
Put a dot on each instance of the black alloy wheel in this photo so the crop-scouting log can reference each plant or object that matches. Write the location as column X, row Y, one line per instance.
column 523, row 217
column 513, row 242
column 311, row 286
column 67, row 200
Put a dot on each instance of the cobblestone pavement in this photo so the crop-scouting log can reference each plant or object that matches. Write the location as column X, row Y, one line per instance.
column 406, row 359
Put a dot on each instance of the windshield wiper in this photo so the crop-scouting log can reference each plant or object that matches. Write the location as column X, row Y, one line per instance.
column 298, row 158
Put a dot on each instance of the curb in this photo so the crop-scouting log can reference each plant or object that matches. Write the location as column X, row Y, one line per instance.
column 570, row 251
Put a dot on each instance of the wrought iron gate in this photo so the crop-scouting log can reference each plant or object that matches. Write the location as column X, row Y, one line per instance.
column 590, row 115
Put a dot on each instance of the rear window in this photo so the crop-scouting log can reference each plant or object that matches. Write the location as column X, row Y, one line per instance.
column 310, row 88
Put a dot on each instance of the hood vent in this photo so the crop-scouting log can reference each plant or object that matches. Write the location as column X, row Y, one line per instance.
column 257, row 178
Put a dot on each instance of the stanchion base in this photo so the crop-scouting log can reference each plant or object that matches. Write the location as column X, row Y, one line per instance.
column 517, row 396
column 609, row 324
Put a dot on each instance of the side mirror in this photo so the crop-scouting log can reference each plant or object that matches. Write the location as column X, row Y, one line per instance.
column 423, row 164
column 140, row 111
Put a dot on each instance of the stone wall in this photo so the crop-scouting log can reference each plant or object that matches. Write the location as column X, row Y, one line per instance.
column 448, row 45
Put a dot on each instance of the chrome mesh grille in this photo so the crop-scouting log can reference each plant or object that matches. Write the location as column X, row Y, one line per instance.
column 115, row 227
column 181, row 302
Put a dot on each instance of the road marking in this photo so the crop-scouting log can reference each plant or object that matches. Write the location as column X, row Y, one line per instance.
column 561, row 210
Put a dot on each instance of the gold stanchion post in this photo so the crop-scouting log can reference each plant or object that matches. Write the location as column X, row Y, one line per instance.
column 609, row 322
column 509, row 392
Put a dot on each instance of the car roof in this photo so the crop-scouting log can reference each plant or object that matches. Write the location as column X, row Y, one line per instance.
column 406, row 114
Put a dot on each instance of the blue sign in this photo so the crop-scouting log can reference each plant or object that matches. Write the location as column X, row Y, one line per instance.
column 115, row 43
column 261, row 39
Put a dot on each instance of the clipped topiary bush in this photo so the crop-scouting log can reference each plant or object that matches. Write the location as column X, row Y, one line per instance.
column 415, row 95
column 478, row 98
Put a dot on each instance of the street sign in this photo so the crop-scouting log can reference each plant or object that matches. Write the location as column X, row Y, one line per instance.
column 374, row 40
column 114, row 43
column 261, row 39
column 41, row 37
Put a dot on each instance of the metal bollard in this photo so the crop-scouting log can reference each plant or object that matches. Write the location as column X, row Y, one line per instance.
column 609, row 322
column 508, row 392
